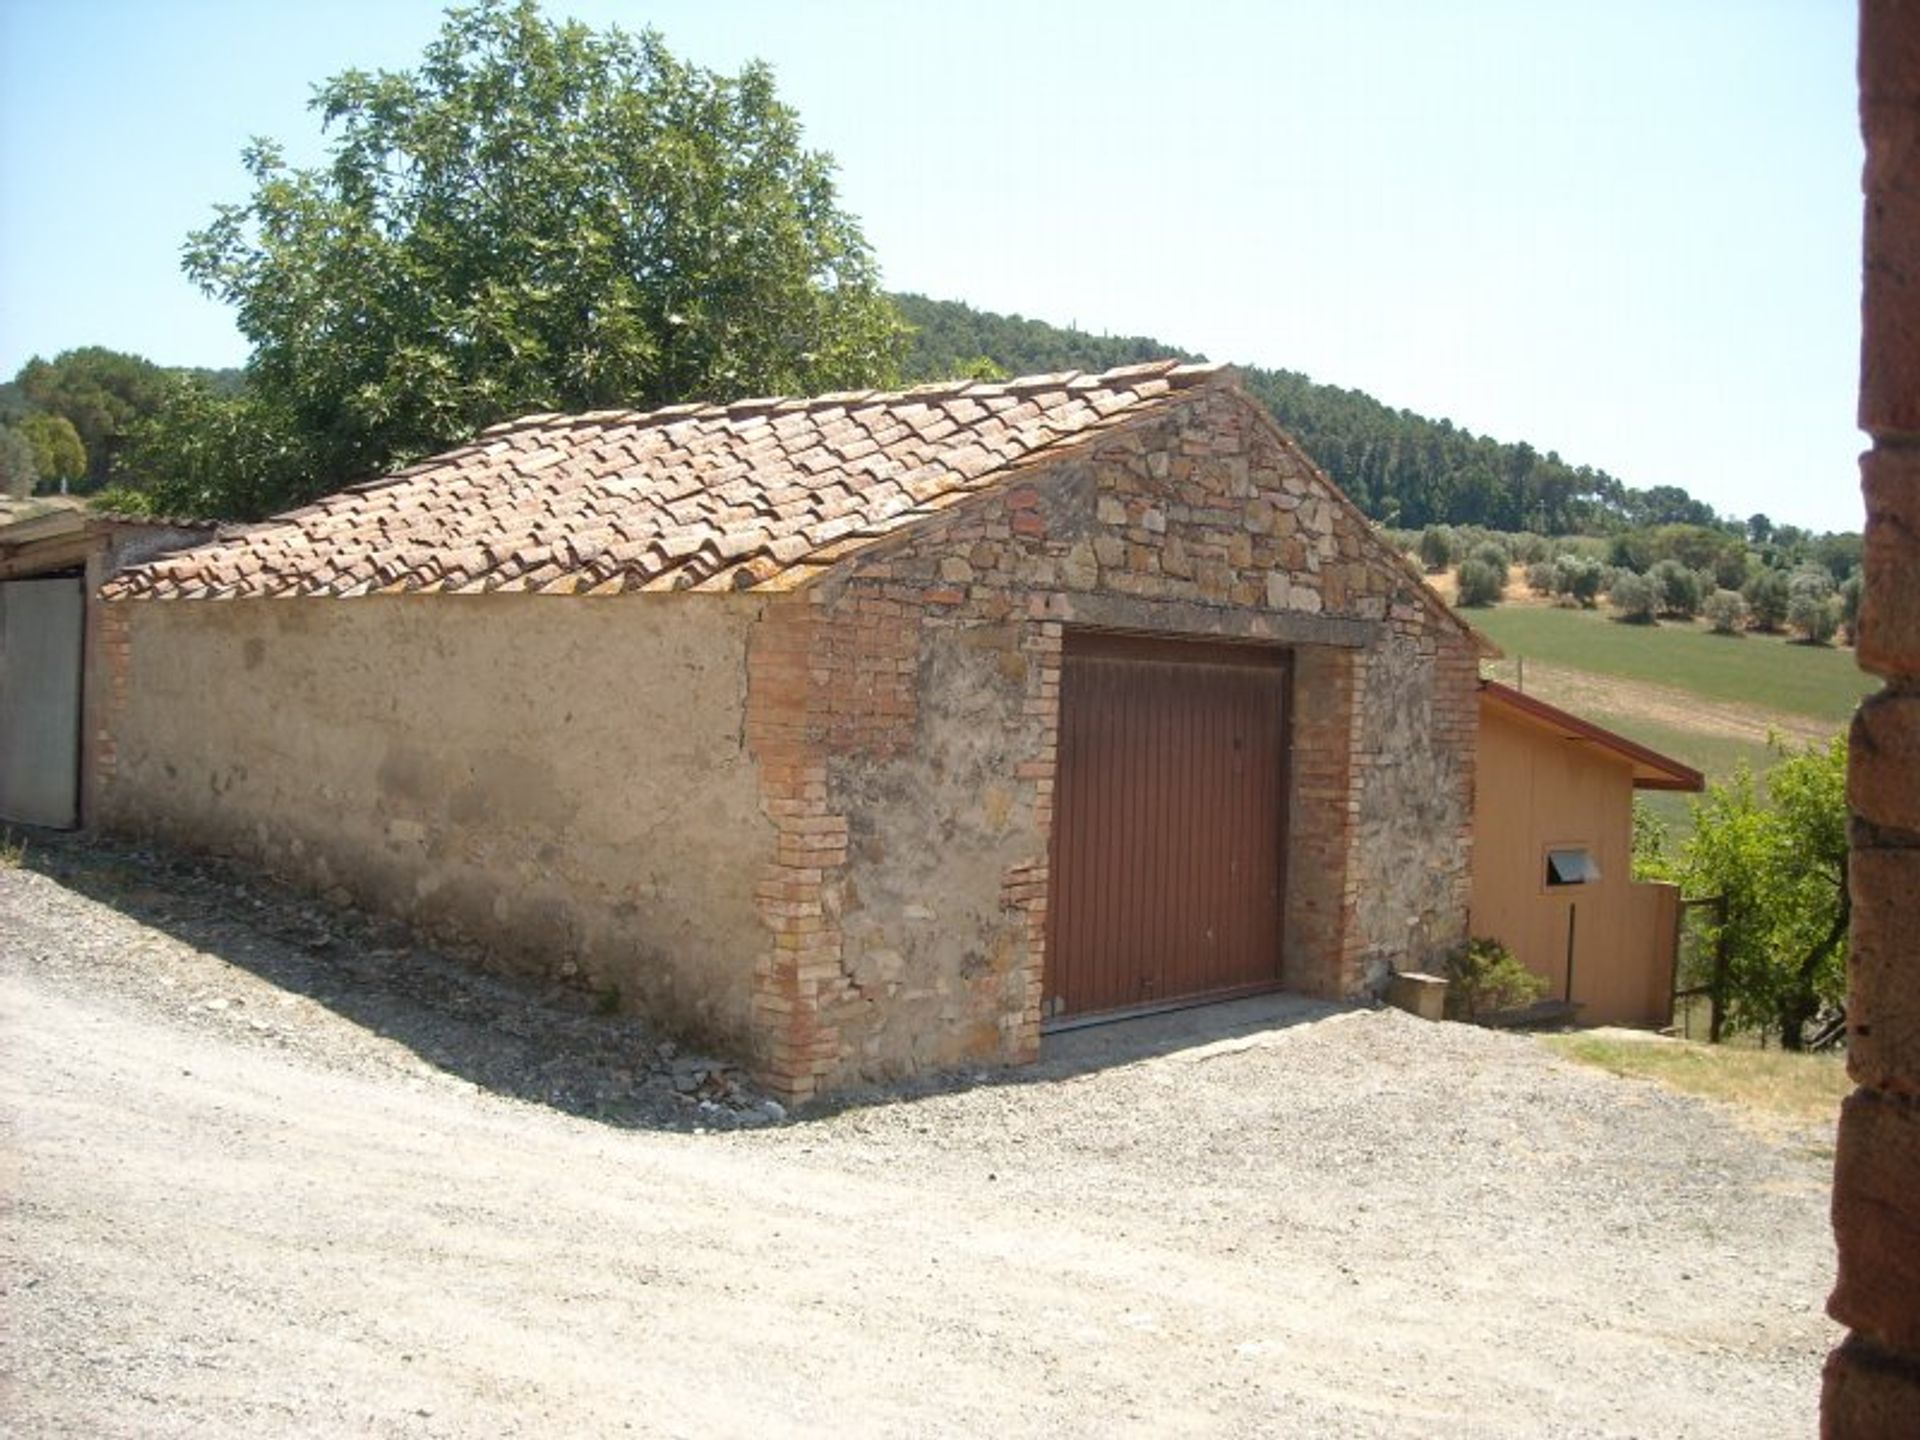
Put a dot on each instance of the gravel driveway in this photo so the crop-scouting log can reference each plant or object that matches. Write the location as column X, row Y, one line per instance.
column 269, row 1171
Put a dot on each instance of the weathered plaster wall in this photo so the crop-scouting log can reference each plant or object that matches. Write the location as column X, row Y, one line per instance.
column 906, row 710
column 1873, row 1380
column 560, row 779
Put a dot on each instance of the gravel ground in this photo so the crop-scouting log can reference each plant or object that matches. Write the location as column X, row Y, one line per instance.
column 268, row 1169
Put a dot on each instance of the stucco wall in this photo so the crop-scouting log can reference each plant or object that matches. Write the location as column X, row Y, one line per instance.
column 1537, row 789
column 561, row 779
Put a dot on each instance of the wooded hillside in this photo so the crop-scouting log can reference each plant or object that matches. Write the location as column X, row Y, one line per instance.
column 1399, row 467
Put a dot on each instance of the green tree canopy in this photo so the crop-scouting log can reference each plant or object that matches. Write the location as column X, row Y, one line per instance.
column 1780, row 859
column 102, row 393
column 17, row 474
column 538, row 216
column 1767, row 594
column 58, row 455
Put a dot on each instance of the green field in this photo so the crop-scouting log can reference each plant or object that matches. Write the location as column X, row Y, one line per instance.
column 1762, row 671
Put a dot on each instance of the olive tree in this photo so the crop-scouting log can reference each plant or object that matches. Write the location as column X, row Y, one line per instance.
column 1812, row 607
column 1480, row 583
column 1634, row 598
column 1725, row 611
column 1438, row 547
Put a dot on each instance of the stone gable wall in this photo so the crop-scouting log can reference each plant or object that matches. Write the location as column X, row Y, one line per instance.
column 905, row 711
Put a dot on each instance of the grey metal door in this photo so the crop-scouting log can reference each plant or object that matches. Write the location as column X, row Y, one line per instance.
column 41, row 622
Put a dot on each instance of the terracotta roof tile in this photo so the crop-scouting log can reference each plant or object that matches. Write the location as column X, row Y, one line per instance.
column 716, row 496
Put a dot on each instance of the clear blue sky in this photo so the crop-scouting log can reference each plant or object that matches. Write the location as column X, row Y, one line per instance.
column 1626, row 231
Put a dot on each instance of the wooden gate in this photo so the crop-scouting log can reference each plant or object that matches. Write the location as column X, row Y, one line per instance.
column 1169, row 825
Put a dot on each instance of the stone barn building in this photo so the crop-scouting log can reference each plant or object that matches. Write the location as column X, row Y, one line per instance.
column 858, row 735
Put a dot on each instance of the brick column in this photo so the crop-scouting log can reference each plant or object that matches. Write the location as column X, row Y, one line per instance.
column 110, row 652
column 1872, row 1383
column 795, row 979
column 1321, row 946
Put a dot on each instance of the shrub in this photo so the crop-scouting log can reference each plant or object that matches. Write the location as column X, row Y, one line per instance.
column 1540, row 577
column 1437, row 547
column 1725, row 611
column 1634, row 598
column 1484, row 978
column 1481, row 583
column 1850, row 592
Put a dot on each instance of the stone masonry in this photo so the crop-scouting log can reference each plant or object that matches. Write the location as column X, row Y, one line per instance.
column 1873, row 1380
column 748, row 715
column 904, row 713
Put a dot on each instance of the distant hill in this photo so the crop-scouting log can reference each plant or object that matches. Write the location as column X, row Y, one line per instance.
column 1399, row 467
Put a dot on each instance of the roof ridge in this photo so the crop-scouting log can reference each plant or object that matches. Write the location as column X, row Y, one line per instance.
column 1181, row 374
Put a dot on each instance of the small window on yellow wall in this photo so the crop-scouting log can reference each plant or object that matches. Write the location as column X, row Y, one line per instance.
column 1573, row 865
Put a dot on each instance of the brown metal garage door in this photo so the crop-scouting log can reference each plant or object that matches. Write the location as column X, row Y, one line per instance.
column 1169, row 824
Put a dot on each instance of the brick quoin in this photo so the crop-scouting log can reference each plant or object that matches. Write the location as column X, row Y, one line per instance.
column 1872, row 1381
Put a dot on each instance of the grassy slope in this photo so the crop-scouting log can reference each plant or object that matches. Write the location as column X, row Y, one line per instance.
column 1767, row 1083
column 1762, row 675
column 1762, row 671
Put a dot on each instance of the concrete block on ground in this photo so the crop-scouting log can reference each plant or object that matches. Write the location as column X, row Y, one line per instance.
column 1419, row 994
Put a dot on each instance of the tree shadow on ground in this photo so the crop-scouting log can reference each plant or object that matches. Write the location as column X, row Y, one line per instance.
column 552, row 1045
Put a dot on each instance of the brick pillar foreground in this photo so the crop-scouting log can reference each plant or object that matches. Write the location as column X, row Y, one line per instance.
column 1873, row 1380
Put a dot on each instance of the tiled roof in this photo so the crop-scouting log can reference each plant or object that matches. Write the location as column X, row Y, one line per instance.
column 714, row 497
column 1651, row 769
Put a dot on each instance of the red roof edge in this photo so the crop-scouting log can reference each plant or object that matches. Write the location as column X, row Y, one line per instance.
column 1672, row 774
